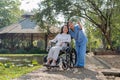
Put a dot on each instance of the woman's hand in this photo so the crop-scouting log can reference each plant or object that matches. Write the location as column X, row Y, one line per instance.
column 61, row 44
column 49, row 43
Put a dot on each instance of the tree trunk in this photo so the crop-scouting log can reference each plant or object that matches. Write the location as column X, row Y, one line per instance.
column 109, row 41
column 104, row 42
column 106, row 34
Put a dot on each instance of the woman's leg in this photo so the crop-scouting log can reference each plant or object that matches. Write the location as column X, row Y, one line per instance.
column 55, row 54
column 77, row 54
column 50, row 55
column 82, row 55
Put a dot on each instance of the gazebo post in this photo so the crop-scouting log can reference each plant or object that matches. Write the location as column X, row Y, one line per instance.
column 31, row 40
column 46, row 39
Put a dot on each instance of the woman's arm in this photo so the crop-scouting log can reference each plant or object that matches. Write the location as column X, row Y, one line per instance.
column 55, row 39
column 80, row 25
column 68, row 39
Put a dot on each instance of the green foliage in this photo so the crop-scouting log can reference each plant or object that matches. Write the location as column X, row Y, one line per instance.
column 14, row 72
column 4, row 51
column 36, row 50
column 34, row 62
column 1, row 64
column 39, row 44
column 94, row 41
column 8, row 70
column 20, row 51
column 9, row 12
column 103, row 14
column 115, row 36
column 9, row 65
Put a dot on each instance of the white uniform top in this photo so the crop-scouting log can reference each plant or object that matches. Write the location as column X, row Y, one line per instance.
column 61, row 38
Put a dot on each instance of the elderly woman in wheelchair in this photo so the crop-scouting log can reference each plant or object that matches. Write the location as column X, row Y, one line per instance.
column 62, row 45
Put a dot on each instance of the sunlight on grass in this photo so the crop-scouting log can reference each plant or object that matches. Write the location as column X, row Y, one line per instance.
column 14, row 72
column 22, row 54
column 10, row 70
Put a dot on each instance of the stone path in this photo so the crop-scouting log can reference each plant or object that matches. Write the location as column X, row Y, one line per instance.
column 90, row 72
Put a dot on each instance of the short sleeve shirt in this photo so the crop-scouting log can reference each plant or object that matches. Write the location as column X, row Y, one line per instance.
column 78, row 34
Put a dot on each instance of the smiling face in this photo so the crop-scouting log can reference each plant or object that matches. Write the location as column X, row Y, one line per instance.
column 70, row 24
column 65, row 29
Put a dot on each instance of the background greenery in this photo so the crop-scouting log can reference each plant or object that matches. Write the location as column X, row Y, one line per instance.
column 9, row 12
column 99, row 17
column 10, row 69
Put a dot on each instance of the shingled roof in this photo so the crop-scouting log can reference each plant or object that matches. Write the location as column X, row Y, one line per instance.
column 26, row 26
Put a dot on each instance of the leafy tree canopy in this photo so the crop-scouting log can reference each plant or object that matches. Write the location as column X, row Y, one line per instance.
column 9, row 12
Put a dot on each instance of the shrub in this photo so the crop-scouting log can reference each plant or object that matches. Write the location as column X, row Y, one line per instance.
column 36, row 50
column 34, row 62
column 9, row 65
column 1, row 64
column 4, row 51
column 20, row 51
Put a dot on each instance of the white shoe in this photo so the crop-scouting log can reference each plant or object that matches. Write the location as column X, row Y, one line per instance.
column 53, row 64
column 46, row 64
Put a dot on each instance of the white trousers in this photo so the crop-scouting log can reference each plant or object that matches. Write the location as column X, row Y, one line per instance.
column 54, row 52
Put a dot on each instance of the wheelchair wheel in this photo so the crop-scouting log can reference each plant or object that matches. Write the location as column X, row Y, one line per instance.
column 68, row 59
column 64, row 66
column 45, row 59
column 73, row 58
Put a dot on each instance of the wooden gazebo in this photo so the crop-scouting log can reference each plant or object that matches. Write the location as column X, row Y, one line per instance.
column 23, row 33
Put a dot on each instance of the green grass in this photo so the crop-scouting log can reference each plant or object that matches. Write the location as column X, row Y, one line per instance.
column 14, row 72
column 22, row 54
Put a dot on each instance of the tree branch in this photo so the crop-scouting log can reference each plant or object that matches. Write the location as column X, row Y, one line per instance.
column 95, row 7
column 90, row 19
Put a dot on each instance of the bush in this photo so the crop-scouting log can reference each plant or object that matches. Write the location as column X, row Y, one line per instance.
column 34, row 62
column 20, row 51
column 1, row 64
column 36, row 50
column 4, row 51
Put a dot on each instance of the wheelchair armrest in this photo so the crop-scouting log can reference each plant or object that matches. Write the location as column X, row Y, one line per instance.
column 52, row 43
column 68, row 44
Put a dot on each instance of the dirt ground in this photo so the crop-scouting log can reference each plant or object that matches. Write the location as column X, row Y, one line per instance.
column 87, row 73
column 90, row 72
column 113, row 60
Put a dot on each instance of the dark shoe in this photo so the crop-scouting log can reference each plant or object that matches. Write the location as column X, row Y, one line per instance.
column 78, row 67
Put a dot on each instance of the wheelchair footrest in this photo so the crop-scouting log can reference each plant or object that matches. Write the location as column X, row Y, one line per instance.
column 51, row 66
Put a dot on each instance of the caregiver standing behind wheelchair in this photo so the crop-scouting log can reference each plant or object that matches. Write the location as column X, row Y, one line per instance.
column 76, row 32
column 60, row 41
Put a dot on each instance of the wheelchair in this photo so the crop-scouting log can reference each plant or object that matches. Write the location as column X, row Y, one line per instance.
column 66, row 58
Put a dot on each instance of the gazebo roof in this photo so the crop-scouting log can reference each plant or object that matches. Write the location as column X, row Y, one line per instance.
column 26, row 26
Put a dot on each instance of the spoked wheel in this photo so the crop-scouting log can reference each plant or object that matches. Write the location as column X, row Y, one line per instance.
column 64, row 65
column 73, row 58
column 68, row 61
column 45, row 59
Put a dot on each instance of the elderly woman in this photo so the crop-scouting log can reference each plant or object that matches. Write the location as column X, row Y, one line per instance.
column 61, row 40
